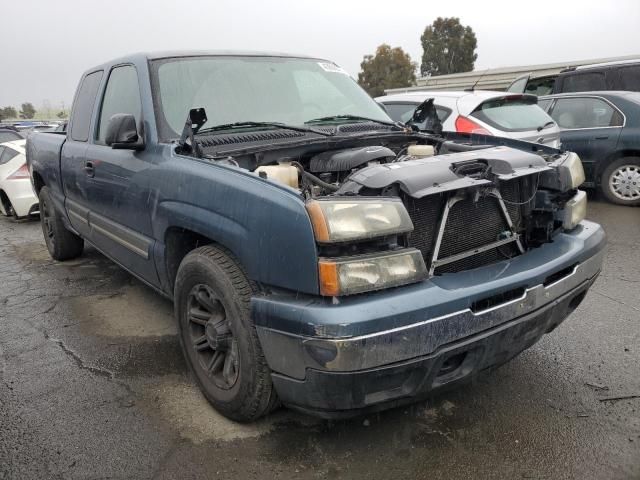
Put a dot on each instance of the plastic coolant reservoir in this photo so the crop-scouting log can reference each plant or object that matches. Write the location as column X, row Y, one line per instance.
column 283, row 173
column 420, row 151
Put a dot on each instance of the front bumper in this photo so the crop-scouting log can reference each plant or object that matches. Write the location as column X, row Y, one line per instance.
column 396, row 345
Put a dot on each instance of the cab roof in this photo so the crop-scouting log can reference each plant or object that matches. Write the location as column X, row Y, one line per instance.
column 143, row 57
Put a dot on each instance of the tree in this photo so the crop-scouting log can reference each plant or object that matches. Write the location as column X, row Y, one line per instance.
column 388, row 68
column 27, row 110
column 448, row 47
column 8, row 112
column 62, row 114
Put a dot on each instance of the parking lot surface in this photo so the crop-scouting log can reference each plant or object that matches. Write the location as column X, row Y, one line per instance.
column 93, row 385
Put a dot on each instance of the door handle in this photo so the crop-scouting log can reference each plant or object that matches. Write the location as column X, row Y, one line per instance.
column 89, row 170
column 604, row 137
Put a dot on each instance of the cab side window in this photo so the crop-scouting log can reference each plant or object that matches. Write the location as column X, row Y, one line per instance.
column 122, row 95
column 83, row 106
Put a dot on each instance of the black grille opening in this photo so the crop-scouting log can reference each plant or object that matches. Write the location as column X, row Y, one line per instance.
column 498, row 299
column 478, row 260
column 511, row 194
column 559, row 275
column 471, row 225
column 425, row 214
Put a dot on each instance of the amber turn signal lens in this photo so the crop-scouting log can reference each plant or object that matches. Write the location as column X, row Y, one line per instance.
column 318, row 221
column 329, row 281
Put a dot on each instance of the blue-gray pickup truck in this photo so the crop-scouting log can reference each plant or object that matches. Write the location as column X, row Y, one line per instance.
column 318, row 254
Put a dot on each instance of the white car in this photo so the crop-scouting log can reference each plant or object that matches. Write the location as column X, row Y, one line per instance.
column 16, row 195
column 481, row 112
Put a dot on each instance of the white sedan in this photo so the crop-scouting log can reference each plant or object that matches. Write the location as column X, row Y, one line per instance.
column 481, row 112
column 16, row 195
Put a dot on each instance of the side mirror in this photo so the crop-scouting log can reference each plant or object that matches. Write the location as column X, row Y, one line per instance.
column 122, row 132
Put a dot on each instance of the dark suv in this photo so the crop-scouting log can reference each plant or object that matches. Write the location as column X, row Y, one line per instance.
column 587, row 78
column 606, row 76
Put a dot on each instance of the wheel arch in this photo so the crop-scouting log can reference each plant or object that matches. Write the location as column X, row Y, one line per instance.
column 38, row 182
column 178, row 242
column 6, row 202
column 273, row 246
column 600, row 167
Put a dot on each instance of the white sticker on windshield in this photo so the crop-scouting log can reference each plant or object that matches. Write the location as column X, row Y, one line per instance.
column 332, row 67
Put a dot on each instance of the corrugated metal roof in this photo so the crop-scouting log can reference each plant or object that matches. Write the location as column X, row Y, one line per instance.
column 499, row 78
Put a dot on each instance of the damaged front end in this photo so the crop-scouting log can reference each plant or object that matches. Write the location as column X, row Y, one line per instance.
column 436, row 214
column 433, row 265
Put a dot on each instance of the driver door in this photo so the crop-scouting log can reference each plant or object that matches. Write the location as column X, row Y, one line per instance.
column 119, row 192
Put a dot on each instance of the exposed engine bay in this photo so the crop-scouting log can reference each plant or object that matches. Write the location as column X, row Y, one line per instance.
column 470, row 205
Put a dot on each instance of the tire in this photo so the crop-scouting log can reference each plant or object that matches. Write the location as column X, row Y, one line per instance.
column 6, row 205
column 212, row 297
column 61, row 243
column 14, row 214
column 620, row 182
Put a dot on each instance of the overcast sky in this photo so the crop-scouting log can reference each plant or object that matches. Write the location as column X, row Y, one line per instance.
column 46, row 44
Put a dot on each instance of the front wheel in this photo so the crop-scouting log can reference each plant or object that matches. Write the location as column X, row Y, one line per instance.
column 620, row 181
column 212, row 306
column 61, row 243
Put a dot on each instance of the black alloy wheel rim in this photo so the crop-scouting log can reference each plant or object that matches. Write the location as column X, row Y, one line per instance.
column 211, row 338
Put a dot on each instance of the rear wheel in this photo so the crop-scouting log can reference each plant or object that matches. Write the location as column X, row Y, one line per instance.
column 620, row 181
column 220, row 343
column 61, row 243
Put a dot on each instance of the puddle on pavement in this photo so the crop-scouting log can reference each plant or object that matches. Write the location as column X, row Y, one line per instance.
column 183, row 406
column 35, row 252
column 137, row 311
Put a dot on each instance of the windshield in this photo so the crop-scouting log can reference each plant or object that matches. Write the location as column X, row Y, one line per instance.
column 512, row 115
column 264, row 89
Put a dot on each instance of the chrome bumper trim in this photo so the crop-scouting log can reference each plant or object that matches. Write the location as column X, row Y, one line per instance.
column 422, row 338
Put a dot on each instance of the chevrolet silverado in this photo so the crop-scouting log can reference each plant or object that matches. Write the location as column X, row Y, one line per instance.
column 318, row 254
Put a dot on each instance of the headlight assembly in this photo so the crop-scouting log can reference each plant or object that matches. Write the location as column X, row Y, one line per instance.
column 571, row 172
column 575, row 210
column 342, row 220
column 567, row 173
column 363, row 273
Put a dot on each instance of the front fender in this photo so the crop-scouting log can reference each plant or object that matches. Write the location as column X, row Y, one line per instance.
column 265, row 227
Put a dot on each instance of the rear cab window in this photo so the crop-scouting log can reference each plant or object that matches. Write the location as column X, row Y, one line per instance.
column 511, row 114
column 82, row 110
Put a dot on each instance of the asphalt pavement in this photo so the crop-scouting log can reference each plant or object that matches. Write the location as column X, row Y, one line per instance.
column 93, row 385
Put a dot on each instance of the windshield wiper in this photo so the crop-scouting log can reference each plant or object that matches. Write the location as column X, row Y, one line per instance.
column 284, row 126
column 546, row 125
column 353, row 117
